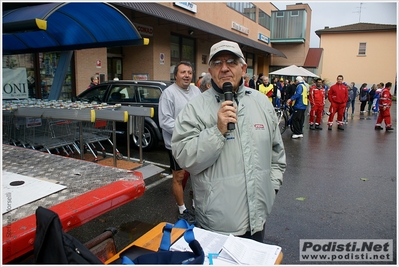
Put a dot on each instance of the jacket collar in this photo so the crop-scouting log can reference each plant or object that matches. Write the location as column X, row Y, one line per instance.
column 220, row 91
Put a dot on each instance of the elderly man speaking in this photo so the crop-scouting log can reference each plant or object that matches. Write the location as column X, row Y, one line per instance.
column 235, row 173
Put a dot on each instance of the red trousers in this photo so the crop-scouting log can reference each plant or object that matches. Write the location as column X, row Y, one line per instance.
column 336, row 108
column 384, row 115
column 316, row 112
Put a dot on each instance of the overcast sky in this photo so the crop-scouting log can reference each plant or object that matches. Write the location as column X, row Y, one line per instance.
column 334, row 14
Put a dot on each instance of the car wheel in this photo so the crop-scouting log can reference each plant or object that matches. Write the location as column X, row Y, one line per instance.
column 149, row 140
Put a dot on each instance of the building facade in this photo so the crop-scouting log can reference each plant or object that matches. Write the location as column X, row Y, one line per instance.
column 361, row 52
column 269, row 38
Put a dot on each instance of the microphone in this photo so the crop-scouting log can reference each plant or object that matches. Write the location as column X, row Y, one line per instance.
column 228, row 95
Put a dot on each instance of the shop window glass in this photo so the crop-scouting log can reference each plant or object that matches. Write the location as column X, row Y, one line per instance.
column 26, row 62
column 181, row 49
column 48, row 63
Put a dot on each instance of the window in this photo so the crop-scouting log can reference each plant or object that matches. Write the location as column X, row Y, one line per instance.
column 285, row 26
column 96, row 94
column 181, row 49
column 122, row 93
column 149, row 94
column 245, row 8
column 294, row 13
column 279, row 14
column 362, row 49
column 264, row 19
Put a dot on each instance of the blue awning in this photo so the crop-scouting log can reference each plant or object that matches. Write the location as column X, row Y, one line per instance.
column 68, row 26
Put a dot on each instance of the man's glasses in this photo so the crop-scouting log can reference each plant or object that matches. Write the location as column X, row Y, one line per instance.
column 218, row 63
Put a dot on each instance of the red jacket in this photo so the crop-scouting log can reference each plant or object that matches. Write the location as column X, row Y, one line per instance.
column 317, row 96
column 385, row 98
column 338, row 93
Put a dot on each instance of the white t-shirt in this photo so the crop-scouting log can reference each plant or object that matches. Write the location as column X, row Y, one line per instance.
column 172, row 101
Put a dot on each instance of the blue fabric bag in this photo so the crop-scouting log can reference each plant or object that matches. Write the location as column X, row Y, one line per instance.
column 164, row 256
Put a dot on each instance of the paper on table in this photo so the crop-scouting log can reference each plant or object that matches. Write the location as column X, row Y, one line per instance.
column 210, row 242
column 247, row 251
column 231, row 249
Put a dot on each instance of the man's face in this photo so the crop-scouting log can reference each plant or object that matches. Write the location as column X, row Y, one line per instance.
column 266, row 80
column 225, row 67
column 339, row 80
column 319, row 83
column 184, row 76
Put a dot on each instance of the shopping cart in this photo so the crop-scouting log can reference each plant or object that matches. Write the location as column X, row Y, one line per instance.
column 50, row 135
column 93, row 134
column 8, row 129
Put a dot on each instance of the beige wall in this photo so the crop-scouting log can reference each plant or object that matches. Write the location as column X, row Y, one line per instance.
column 296, row 54
column 340, row 56
column 85, row 66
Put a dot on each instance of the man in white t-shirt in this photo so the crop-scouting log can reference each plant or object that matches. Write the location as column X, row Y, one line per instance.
column 172, row 101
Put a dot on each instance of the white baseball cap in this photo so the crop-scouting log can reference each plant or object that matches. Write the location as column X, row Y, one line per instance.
column 299, row 79
column 203, row 74
column 225, row 46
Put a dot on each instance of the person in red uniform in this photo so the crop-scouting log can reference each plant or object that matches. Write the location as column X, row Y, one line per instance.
column 338, row 96
column 317, row 101
column 384, row 105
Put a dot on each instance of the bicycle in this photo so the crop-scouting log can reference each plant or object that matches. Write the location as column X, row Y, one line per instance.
column 283, row 117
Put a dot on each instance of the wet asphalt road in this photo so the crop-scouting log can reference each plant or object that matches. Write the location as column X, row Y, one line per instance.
column 338, row 185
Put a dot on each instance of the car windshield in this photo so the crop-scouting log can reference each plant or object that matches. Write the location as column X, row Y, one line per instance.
column 94, row 94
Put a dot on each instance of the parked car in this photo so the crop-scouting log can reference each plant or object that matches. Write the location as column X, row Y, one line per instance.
column 131, row 93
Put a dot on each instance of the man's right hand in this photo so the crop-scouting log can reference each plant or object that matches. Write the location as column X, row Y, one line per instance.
column 226, row 114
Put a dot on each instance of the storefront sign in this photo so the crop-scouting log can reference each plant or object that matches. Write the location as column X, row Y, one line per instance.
column 263, row 38
column 144, row 29
column 140, row 76
column 239, row 28
column 15, row 83
column 190, row 6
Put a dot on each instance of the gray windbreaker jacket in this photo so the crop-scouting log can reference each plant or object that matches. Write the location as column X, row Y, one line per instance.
column 233, row 176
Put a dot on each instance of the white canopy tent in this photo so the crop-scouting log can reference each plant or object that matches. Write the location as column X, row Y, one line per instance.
column 293, row 70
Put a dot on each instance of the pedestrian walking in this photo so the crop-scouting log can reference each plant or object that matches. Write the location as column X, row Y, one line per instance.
column 267, row 88
column 259, row 81
column 94, row 80
column 235, row 173
column 363, row 97
column 355, row 93
column 252, row 82
column 384, row 105
column 372, row 92
column 317, row 101
column 200, row 79
column 206, row 82
column 351, row 95
column 375, row 108
column 172, row 101
column 299, row 103
column 338, row 96
column 246, row 80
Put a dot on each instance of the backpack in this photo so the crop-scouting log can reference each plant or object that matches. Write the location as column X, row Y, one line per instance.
column 164, row 256
column 53, row 246
column 364, row 95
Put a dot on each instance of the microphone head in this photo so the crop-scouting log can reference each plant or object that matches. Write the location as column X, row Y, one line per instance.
column 227, row 87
